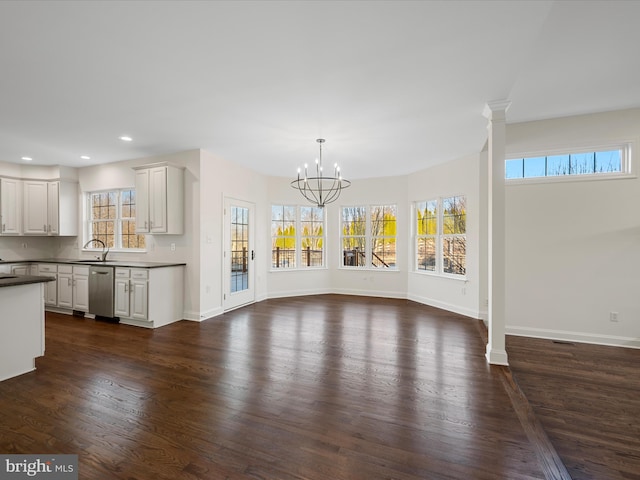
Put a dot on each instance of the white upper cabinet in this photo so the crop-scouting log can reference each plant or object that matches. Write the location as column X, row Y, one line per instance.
column 62, row 208
column 160, row 199
column 53, row 208
column 35, row 207
column 10, row 206
column 50, row 208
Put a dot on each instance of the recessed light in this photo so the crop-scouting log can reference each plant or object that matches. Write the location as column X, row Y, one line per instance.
column 27, row 159
column 85, row 157
column 125, row 138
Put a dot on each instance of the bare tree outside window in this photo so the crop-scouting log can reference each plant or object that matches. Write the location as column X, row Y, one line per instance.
column 373, row 228
column 383, row 235
column 454, row 229
column 312, row 241
column 297, row 236
column 112, row 219
column 354, row 231
column 427, row 231
column 441, row 240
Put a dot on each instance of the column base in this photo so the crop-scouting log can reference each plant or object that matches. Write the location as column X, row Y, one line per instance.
column 497, row 357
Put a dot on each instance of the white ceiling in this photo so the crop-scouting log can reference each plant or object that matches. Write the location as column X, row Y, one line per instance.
column 393, row 86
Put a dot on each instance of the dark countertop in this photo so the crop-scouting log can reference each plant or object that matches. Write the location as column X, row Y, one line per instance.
column 9, row 280
column 108, row 263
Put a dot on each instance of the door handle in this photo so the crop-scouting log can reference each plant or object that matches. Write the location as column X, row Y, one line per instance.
column 253, row 255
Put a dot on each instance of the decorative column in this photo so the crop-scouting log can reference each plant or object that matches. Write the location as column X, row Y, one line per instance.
column 495, row 112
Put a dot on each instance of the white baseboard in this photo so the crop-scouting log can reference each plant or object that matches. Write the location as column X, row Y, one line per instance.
column 298, row 293
column 200, row 316
column 579, row 337
column 370, row 293
column 467, row 312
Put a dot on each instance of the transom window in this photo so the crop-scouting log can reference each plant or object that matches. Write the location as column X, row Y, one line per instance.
column 297, row 237
column 597, row 162
column 369, row 236
column 111, row 217
column 440, row 235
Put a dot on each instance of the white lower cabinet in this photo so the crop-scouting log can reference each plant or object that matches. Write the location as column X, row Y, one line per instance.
column 81, row 288
column 50, row 288
column 132, row 293
column 71, row 288
column 65, row 286
column 121, row 296
column 144, row 297
column 24, row 269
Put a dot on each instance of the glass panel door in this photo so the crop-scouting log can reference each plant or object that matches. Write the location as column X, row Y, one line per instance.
column 239, row 254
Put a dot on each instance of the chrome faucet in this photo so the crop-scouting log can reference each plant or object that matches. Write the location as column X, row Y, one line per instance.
column 105, row 249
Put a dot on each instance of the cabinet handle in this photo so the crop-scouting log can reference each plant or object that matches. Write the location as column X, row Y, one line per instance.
column 145, row 225
column 44, row 227
column 68, row 282
column 4, row 227
column 126, row 287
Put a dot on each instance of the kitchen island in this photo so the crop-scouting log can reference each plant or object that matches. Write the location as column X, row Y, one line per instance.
column 21, row 323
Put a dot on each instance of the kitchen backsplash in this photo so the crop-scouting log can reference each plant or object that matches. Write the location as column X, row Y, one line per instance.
column 24, row 248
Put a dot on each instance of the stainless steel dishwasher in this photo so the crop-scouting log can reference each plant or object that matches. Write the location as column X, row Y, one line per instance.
column 101, row 280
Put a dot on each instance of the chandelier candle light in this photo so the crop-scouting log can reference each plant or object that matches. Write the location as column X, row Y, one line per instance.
column 320, row 189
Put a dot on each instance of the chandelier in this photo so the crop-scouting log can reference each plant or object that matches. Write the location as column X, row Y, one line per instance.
column 320, row 189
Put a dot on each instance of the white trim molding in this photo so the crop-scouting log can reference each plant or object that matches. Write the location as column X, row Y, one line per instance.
column 579, row 337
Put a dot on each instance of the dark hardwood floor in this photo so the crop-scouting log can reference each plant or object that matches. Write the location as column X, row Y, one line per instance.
column 316, row 388
column 587, row 397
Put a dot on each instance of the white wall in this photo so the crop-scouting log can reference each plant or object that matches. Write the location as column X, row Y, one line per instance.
column 458, row 177
column 573, row 248
column 221, row 179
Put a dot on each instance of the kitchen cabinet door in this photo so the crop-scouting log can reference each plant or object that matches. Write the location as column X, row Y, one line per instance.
column 139, row 299
column 65, row 290
column 142, row 201
column 51, row 290
column 10, row 206
column 20, row 269
column 34, row 207
column 81, row 289
column 53, row 205
column 121, row 306
column 160, row 199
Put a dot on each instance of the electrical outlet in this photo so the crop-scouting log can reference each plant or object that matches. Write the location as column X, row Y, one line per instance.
column 613, row 316
column 173, row 247
column 24, row 245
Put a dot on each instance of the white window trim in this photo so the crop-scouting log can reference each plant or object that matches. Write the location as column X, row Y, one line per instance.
column 118, row 223
column 627, row 169
column 438, row 272
column 368, row 239
column 299, row 267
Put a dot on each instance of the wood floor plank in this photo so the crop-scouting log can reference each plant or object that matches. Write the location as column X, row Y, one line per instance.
column 587, row 397
column 306, row 388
